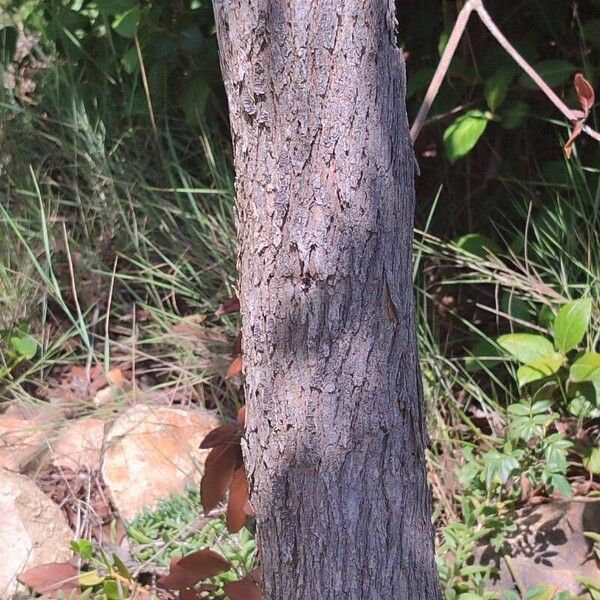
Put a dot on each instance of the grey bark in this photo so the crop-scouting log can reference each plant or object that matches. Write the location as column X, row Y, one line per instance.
column 335, row 446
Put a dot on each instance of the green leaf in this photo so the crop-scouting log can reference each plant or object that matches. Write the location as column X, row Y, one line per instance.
column 483, row 354
column 519, row 410
column 496, row 87
column 515, row 307
column 539, row 369
column 25, row 346
column 90, row 579
column 461, row 136
column 126, row 23
column 120, row 567
column 130, row 61
column 571, row 322
column 561, row 485
column 477, row 244
column 514, row 114
column 591, row 32
column 580, row 407
column 592, row 461
column 419, row 81
column 114, row 7
column 84, row 548
column 526, row 347
column 540, row 592
column 553, row 71
column 586, row 368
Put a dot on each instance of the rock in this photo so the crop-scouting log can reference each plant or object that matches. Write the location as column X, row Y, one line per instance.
column 549, row 547
column 152, row 452
column 79, row 445
column 21, row 441
column 33, row 530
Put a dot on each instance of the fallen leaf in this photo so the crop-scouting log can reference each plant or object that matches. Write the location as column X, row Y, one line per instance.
column 238, row 496
column 51, row 577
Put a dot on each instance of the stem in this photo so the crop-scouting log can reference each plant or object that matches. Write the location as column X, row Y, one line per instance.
column 442, row 68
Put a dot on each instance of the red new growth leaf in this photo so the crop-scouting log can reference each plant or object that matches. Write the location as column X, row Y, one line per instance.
column 243, row 589
column 219, row 468
column 51, row 577
column 238, row 496
column 188, row 571
column 241, row 416
column 237, row 344
column 226, row 434
column 229, row 306
column 585, row 93
column 235, row 368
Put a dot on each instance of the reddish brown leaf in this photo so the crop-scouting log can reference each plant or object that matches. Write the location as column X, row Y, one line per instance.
column 219, row 468
column 237, row 344
column 577, row 129
column 188, row 571
column 235, row 368
column 225, row 434
column 238, row 495
column 585, row 92
column 243, row 589
column 189, row 594
column 206, row 562
column 241, row 416
column 51, row 577
column 248, row 508
column 229, row 306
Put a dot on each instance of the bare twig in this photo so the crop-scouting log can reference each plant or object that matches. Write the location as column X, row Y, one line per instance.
column 442, row 68
column 446, row 59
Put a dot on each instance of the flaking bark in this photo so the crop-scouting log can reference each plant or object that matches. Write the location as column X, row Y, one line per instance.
column 325, row 199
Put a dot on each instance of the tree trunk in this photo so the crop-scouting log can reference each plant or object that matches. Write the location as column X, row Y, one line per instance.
column 336, row 437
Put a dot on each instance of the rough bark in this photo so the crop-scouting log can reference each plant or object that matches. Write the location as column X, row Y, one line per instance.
column 325, row 198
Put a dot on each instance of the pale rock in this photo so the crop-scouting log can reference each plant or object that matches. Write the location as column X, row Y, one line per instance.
column 549, row 548
column 33, row 530
column 152, row 452
column 79, row 445
column 21, row 441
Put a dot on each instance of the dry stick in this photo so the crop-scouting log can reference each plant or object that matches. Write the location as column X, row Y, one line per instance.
column 457, row 32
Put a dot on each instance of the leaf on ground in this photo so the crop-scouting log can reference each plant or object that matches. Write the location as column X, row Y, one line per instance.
column 51, row 577
column 238, row 496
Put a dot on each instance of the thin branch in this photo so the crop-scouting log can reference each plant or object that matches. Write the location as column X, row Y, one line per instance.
column 564, row 109
column 442, row 68
column 446, row 59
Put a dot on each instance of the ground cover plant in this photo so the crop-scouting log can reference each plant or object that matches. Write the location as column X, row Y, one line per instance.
column 117, row 250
